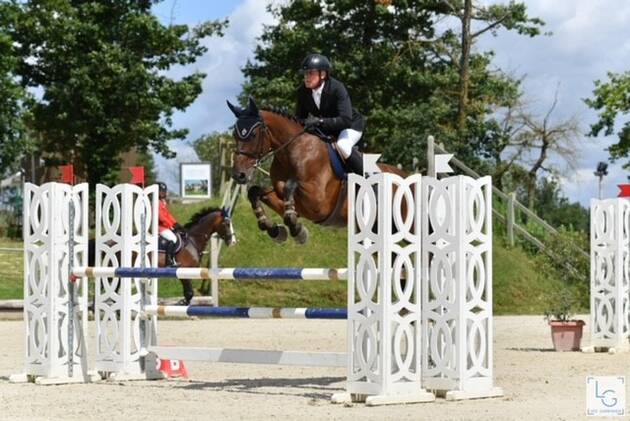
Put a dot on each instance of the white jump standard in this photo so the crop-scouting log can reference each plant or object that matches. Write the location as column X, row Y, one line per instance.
column 610, row 275
column 419, row 289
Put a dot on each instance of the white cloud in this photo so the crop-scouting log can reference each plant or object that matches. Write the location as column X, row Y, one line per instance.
column 222, row 63
column 589, row 39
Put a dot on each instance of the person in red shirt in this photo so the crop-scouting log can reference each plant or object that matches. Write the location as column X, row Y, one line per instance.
column 166, row 224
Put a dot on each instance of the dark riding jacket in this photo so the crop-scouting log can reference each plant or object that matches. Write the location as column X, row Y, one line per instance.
column 335, row 108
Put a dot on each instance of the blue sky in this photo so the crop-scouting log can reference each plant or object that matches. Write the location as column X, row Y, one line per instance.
column 589, row 38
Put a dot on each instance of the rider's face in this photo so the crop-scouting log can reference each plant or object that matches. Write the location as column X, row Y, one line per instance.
column 313, row 78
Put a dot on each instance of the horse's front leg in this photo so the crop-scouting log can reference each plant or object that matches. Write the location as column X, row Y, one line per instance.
column 298, row 231
column 257, row 196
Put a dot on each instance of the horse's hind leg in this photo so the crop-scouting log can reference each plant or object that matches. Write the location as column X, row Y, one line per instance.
column 256, row 196
column 298, row 231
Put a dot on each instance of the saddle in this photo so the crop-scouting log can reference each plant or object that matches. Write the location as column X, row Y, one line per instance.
column 336, row 218
column 182, row 239
column 336, row 161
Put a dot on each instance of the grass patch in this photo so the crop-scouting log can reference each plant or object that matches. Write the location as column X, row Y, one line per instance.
column 11, row 270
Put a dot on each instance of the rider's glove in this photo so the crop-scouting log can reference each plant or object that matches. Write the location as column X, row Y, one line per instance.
column 312, row 122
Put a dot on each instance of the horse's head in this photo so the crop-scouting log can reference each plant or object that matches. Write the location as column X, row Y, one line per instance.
column 209, row 221
column 252, row 141
column 226, row 229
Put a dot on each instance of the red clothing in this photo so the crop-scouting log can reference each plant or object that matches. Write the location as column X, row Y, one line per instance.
column 166, row 221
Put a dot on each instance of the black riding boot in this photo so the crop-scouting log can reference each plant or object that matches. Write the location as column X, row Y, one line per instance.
column 170, row 254
column 355, row 162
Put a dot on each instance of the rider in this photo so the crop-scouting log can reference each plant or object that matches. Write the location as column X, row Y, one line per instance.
column 166, row 224
column 328, row 102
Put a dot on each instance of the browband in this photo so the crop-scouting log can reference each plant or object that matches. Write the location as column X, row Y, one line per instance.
column 245, row 126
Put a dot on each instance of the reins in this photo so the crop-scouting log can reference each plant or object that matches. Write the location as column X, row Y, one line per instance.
column 260, row 159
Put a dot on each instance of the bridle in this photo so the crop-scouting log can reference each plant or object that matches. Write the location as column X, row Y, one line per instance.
column 225, row 233
column 229, row 233
column 260, row 156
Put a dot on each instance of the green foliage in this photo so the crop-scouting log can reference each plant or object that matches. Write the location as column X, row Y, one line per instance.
column 561, row 306
column 556, row 209
column 400, row 73
column 102, row 69
column 11, row 213
column 13, row 141
column 612, row 99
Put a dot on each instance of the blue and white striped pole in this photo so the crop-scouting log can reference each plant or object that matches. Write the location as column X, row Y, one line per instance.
column 249, row 312
column 317, row 274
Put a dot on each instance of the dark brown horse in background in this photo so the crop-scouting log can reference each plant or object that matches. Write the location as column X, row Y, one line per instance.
column 303, row 181
column 195, row 239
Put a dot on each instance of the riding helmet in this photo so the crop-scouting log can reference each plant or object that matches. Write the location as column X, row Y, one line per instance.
column 316, row 62
column 162, row 186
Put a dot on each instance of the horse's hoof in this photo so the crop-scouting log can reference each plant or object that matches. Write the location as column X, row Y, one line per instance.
column 279, row 233
column 290, row 218
column 301, row 236
column 254, row 193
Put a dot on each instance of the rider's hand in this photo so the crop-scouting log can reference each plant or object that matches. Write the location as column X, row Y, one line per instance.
column 312, row 121
column 178, row 227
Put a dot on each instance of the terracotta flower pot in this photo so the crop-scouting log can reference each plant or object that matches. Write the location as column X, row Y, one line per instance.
column 566, row 335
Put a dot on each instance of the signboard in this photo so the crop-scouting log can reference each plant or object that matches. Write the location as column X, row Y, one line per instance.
column 196, row 181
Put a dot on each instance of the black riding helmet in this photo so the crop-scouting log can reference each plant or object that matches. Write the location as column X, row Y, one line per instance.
column 162, row 187
column 316, row 62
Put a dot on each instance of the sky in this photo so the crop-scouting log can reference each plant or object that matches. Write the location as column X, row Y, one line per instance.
column 589, row 38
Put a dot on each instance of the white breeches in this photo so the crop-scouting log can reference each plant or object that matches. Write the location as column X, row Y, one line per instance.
column 169, row 235
column 346, row 140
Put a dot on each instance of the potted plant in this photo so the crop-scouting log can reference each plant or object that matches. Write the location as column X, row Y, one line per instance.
column 566, row 333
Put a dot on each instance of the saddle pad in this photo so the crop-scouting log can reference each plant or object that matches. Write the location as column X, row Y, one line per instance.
column 162, row 243
column 337, row 163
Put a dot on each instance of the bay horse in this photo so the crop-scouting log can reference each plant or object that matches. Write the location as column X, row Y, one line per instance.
column 302, row 177
column 195, row 239
column 197, row 233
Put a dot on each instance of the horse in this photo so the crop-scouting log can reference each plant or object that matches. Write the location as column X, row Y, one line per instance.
column 302, row 177
column 197, row 233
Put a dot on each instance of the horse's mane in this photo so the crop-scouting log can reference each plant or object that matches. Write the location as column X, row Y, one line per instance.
column 283, row 113
column 200, row 214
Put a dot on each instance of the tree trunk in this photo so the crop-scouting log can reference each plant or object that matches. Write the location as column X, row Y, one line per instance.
column 533, row 172
column 464, row 74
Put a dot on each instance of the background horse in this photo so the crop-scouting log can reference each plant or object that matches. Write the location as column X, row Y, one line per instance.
column 302, row 177
column 195, row 239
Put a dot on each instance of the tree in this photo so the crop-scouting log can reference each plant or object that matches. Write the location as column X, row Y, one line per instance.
column 13, row 135
column 557, row 209
column 512, row 16
column 612, row 99
column 530, row 142
column 102, row 69
column 399, row 72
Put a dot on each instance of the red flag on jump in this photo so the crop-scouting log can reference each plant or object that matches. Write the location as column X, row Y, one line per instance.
column 67, row 174
column 624, row 190
column 137, row 175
